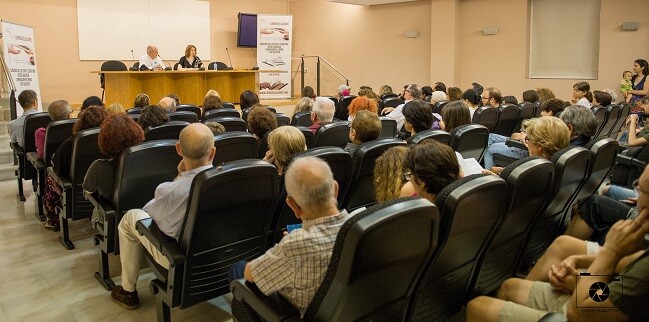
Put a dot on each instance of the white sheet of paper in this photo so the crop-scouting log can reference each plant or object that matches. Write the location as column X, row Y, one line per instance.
column 471, row 166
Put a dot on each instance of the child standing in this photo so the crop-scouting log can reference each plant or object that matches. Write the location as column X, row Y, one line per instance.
column 625, row 84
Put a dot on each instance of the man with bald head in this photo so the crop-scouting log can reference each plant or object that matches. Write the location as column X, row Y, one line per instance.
column 151, row 60
column 168, row 104
column 167, row 209
column 296, row 266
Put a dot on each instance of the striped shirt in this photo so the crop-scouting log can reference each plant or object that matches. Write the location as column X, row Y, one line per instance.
column 296, row 266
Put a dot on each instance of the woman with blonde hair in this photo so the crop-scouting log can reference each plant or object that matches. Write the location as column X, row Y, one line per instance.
column 361, row 103
column 115, row 109
column 283, row 143
column 303, row 105
column 389, row 173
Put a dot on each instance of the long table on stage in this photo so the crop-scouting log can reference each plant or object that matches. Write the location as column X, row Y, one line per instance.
column 122, row 87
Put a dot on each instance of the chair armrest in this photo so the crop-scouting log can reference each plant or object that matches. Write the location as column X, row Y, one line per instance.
column 149, row 229
column 270, row 308
column 17, row 148
column 102, row 205
column 61, row 181
column 32, row 157
column 515, row 144
column 639, row 164
column 624, row 159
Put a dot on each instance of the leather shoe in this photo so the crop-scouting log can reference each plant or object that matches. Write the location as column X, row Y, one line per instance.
column 129, row 300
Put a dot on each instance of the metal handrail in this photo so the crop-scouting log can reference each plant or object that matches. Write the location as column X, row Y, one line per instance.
column 301, row 69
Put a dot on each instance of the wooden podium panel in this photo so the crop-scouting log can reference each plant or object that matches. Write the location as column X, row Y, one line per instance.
column 122, row 87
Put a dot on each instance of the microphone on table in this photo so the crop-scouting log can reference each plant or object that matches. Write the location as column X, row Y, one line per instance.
column 230, row 59
column 163, row 61
column 135, row 64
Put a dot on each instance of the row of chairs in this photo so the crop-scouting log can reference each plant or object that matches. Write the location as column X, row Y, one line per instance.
column 610, row 119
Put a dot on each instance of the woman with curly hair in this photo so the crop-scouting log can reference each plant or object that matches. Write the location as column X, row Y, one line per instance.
column 89, row 118
column 389, row 173
column 261, row 121
column 211, row 102
column 152, row 116
column 117, row 133
column 361, row 103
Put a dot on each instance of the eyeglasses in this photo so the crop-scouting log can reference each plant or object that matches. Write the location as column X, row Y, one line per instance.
column 485, row 98
column 636, row 187
column 407, row 176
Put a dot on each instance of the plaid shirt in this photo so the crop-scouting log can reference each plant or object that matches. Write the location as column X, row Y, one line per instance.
column 296, row 266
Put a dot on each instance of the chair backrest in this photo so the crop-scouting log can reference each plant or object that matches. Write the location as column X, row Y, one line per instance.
column 190, row 117
column 333, row 134
column 176, row 66
column 228, row 105
column 439, row 106
column 135, row 117
column 570, row 169
column 56, row 133
column 335, row 100
column 382, row 248
column 437, row 135
column 231, row 123
column 244, row 113
column 32, row 123
column 529, row 182
column 342, row 109
column 526, row 110
column 217, row 65
column 235, row 145
column 141, row 169
column 361, row 188
column 614, row 112
column 625, row 109
column 470, row 209
column 602, row 159
column 113, row 65
column 134, row 111
column 507, row 119
column 388, row 127
column 392, row 101
column 189, row 108
column 470, row 140
column 282, row 119
column 487, row 116
column 224, row 226
column 168, row 131
column 601, row 114
column 220, row 112
column 340, row 163
column 309, row 137
column 302, row 119
column 84, row 152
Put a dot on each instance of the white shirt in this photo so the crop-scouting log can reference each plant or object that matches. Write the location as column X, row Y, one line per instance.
column 145, row 60
column 584, row 102
column 397, row 115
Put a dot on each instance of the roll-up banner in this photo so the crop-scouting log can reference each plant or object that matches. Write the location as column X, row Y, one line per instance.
column 274, row 39
column 19, row 53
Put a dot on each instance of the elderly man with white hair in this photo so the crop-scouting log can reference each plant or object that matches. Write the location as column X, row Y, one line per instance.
column 412, row 92
column 322, row 113
column 168, row 104
column 151, row 60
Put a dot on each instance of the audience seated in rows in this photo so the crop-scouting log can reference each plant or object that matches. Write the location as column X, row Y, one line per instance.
column 167, row 209
column 553, row 286
column 322, row 113
column 247, row 99
column 89, row 118
column 417, row 116
column 167, row 104
column 28, row 100
column 361, row 103
column 454, row 114
column 117, row 133
column 431, row 167
column 303, row 105
column 635, row 137
column 412, row 91
column 365, row 127
column 152, row 116
column 283, row 143
column 58, row 110
column 471, row 99
column 389, row 174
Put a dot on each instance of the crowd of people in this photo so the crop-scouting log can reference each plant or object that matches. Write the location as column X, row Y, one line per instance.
column 605, row 236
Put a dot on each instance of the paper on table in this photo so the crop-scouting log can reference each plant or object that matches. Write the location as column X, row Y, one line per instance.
column 470, row 166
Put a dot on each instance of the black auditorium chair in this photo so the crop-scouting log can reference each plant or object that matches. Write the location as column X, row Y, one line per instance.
column 302, row 119
column 529, row 182
column 629, row 164
column 134, row 111
column 217, row 65
column 507, row 119
column 335, row 100
column 227, row 105
column 222, row 227
column 220, row 112
column 342, row 110
column 190, row 117
column 613, row 111
column 168, row 131
column 388, row 127
column 437, row 135
column 309, row 137
column 141, row 169
column 26, row 170
column 333, row 134
column 361, row 188
column 470, row 210
column 377, row 256
column 282, row 119
column 56, row 133
column 526, row 110
column 570, row 169
column 231, row 123
column 470, row 140
column 439, row 107
column 487, row 116
column 624, row 112
column 390, row 102
column 236, row 145
column 262, row 146
column 601, row 114
column 84, row 152
column 109, row 65
column 602, row 158
column 340, row 163
column 135, row 117
column 189, row 108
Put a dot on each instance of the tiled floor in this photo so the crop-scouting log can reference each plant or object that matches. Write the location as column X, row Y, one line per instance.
column 42, row 281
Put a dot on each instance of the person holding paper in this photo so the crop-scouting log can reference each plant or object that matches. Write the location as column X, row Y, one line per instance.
column 190, row 60
column 151, row 60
